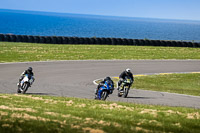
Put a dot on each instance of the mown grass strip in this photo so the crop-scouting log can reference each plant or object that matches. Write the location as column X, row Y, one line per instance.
column 22, row 52
column 29, row 113
column 186, row 83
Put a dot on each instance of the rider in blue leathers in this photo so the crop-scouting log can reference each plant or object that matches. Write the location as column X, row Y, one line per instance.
column 102, row 83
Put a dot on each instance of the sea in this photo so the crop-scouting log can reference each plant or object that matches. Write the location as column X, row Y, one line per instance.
column 79, row 25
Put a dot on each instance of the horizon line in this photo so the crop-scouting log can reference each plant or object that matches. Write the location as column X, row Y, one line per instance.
column 48, row 12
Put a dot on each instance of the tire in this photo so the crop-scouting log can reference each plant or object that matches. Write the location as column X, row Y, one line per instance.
column 76, row 40
column 97, row 41
column 30, row 39
column 113, row 41
column 103, row 41
column 104, row 95
column 26, row 85
column 108, row 41
column 54, row 40
column 36, row 39
column 59, row 40
column 13, row 38
column 42, row 39
column 18, row 90
column 86, row 41
column 19, row 38
column 65, row 40
column 135, row 42
column 118, row 94
column 126, row 90
column 71, row 40
column 48, row 39
column 1, row 37
column 7, row 38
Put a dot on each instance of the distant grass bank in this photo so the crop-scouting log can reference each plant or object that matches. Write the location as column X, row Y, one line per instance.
column 174, row 83
column 28, row 113
column 22, row 52
column 188, row 84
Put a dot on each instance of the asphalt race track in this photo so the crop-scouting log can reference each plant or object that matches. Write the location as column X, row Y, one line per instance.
column 75, row 79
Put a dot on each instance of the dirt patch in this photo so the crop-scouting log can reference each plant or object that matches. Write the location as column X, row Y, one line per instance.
column 143, row 130
column 193, row 115
column 3, row 113
column 6, row 125
column 52, row 113
column 69, row 103
column 91, row 130
column 149, row 111
column 81, row 106
column 17, row 109
column 114, row 106
column 6, row 97
column 28, row 117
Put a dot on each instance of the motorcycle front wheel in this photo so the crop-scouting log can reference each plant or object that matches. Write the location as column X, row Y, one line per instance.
column 25, row 87
column 104, row 95
column 126, row 90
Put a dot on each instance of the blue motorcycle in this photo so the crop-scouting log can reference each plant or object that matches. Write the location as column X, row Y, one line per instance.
column 104, row 91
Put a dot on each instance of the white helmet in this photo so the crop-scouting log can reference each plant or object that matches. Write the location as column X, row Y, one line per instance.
column 128, row 70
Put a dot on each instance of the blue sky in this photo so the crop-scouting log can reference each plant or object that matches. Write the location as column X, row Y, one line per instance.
column 167, row 9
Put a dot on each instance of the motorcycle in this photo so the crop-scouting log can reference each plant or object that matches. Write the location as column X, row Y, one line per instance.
column 104, row 91
column 25, row 83
column 125, row 86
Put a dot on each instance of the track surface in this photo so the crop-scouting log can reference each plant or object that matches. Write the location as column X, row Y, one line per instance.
column 75, row 79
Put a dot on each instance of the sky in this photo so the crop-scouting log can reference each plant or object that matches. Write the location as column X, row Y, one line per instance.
column 164, row 9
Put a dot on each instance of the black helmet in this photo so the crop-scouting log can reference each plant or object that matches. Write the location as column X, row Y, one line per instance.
column 30, row 69
column 107, row 78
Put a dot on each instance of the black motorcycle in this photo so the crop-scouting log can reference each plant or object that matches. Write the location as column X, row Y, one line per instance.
column 124, row 87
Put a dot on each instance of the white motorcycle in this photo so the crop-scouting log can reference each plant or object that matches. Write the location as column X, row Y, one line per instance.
column 25, row 83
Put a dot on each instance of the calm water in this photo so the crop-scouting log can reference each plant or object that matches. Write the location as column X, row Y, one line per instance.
column 57, row 24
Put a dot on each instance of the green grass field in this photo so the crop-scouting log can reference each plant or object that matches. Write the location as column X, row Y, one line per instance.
column 22, row 52
column 174, row 83
column 28, row 113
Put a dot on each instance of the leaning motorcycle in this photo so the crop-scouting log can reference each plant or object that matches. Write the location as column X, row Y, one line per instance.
column 104, row 91
column 25, row 83
column 125, row 86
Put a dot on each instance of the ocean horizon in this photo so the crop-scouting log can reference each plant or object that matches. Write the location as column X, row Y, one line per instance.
column 21, row 22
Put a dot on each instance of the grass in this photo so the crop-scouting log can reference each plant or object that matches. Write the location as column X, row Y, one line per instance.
column 29, row 113
column 174, row 83
column 22, row 52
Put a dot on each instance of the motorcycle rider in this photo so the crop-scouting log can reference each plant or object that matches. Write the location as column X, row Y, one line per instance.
column 102, row 83
column 123, row 75
column 29, row 71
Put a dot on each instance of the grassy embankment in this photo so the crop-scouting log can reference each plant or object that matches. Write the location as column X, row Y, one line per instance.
column 22, row 52
column 26, row 113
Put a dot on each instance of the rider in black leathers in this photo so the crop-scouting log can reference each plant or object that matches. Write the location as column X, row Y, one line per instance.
column 29, row 71
column 122, row 76
column 102, row 83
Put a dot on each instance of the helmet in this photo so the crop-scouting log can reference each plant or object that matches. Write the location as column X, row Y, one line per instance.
column 30, row 69
column 128, row 70
column 107, row 78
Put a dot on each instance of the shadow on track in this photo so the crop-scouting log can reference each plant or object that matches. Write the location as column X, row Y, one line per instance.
column 40, row 94
column 141, row 97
